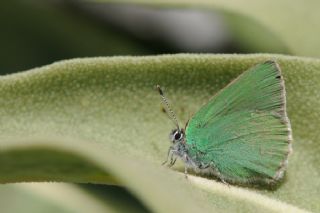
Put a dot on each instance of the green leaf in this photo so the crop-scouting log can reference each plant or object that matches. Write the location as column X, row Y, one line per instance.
column 55, row 197
column 16, row 198
column 295, row 23
column 99, row 120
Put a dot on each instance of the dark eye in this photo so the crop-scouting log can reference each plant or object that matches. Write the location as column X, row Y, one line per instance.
column 177, row 136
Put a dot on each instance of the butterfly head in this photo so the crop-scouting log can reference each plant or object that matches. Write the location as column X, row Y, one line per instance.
column 177, row 136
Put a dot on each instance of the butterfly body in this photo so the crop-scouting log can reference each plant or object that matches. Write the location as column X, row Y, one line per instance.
column 243, row 133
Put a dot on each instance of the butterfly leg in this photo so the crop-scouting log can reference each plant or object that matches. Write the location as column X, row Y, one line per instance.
column 218, row 174
column 186, row 158
column 172, row 161
column 223, row 181
column 186, row 171
column 204, row 166
column 169, row 155
column 221, row 178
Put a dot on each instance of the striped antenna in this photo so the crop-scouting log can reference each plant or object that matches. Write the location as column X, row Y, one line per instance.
column 169, row 111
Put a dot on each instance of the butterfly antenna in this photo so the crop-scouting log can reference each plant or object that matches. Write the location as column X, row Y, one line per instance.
column 169, row 110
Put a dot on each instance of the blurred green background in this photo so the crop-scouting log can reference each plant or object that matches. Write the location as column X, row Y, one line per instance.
column 35, row 33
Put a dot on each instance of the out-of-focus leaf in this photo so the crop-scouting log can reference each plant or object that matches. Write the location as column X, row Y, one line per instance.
column 296, row 23
column 13, row 199
column 35, row 33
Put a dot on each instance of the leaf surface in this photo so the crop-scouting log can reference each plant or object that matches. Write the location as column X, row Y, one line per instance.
column 99, row 120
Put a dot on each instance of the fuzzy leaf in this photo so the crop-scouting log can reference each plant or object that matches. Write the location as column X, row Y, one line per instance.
column 99, row 120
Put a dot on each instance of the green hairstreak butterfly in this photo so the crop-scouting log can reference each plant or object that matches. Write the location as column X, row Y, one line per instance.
column 242, row 135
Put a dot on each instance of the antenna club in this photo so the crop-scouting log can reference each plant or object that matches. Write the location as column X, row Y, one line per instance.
column 159, row 89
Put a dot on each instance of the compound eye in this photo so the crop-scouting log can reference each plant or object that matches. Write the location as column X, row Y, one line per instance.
column 177, row 136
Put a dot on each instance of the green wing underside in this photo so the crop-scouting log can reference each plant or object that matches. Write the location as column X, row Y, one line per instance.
column 243, row 132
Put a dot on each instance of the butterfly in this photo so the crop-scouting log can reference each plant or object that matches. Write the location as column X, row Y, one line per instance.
column 242, row 135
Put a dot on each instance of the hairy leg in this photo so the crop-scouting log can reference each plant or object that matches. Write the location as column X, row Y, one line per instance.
column 169, row 155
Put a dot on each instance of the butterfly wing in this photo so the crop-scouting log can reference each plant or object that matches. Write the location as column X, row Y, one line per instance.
column 243, row 132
